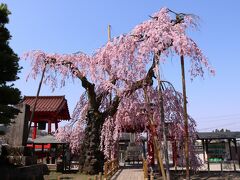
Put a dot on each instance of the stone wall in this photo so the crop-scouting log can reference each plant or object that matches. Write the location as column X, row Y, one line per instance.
column 35, row 172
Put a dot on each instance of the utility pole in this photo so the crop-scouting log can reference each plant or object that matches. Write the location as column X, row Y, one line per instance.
column 185, row 119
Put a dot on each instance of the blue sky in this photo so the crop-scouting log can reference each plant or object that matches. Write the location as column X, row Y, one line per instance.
column 70, row 26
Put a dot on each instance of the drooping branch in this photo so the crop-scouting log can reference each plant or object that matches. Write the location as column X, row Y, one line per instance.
column 90, row 87
column 94, row 99
column 147, row 80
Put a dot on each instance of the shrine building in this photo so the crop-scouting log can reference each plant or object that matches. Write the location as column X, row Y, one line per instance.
column 49, row 110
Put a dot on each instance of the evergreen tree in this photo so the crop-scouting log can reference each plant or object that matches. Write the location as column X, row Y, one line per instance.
column 9, row 67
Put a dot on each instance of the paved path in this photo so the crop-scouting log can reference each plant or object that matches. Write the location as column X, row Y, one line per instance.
column 129, row 174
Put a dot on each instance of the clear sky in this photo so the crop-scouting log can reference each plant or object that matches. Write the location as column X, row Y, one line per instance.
column 73, row 25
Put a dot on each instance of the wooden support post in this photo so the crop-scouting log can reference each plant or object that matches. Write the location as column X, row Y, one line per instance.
column 203, row 145
column 109, row 32
column 174, row 152
column 145, row 168
column 229, row 146
column 36, row 99
column 34, row 132
column 111, row 168
column 236, row 152
column 105, row 170
column 49, row 127
column 155, row 140
column 207, row 149
column 56, row 126
column 221, row 166
column 208, row 166
column 162, row 115
column 33, row 150
column 151, row 176
column 100, row 176
column 185, row 119
column 42, row 151
column 63, row 157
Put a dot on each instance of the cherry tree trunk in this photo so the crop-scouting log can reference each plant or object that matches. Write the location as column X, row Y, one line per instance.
column 91, row 158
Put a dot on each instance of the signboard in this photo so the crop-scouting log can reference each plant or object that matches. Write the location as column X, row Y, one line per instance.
column 216, row 152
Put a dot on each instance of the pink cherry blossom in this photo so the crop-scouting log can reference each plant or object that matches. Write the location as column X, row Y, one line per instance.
column 114, row 70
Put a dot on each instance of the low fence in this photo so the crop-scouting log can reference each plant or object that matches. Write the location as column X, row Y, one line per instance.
column 221, row 166
column 110, row 168
column 96, row 177
column 145, row 171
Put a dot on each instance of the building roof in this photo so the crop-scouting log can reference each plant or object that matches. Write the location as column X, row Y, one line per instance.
column 53, row 106
column 126, row 137
column 218, row 135
column 48, row 139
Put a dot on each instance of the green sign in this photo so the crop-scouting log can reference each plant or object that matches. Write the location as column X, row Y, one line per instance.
column 216, row 152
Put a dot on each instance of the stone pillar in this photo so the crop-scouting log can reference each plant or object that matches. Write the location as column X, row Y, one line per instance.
column 17, row 134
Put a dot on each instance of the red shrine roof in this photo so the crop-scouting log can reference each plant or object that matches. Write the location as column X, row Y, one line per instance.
column 48, row 107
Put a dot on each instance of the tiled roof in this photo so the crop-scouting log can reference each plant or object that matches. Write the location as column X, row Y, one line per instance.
column 218, row 135
column 48, row 139
column 49, row 104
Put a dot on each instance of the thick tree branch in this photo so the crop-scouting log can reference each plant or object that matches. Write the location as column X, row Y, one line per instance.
column 95, row 100
column 104, row 94
column 90, row 87
column 143, row 82
column 137, row 85
column 112, row 109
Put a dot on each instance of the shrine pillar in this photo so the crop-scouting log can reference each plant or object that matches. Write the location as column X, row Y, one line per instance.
column 56, row 126
column 34, row 132
column 49, row 127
